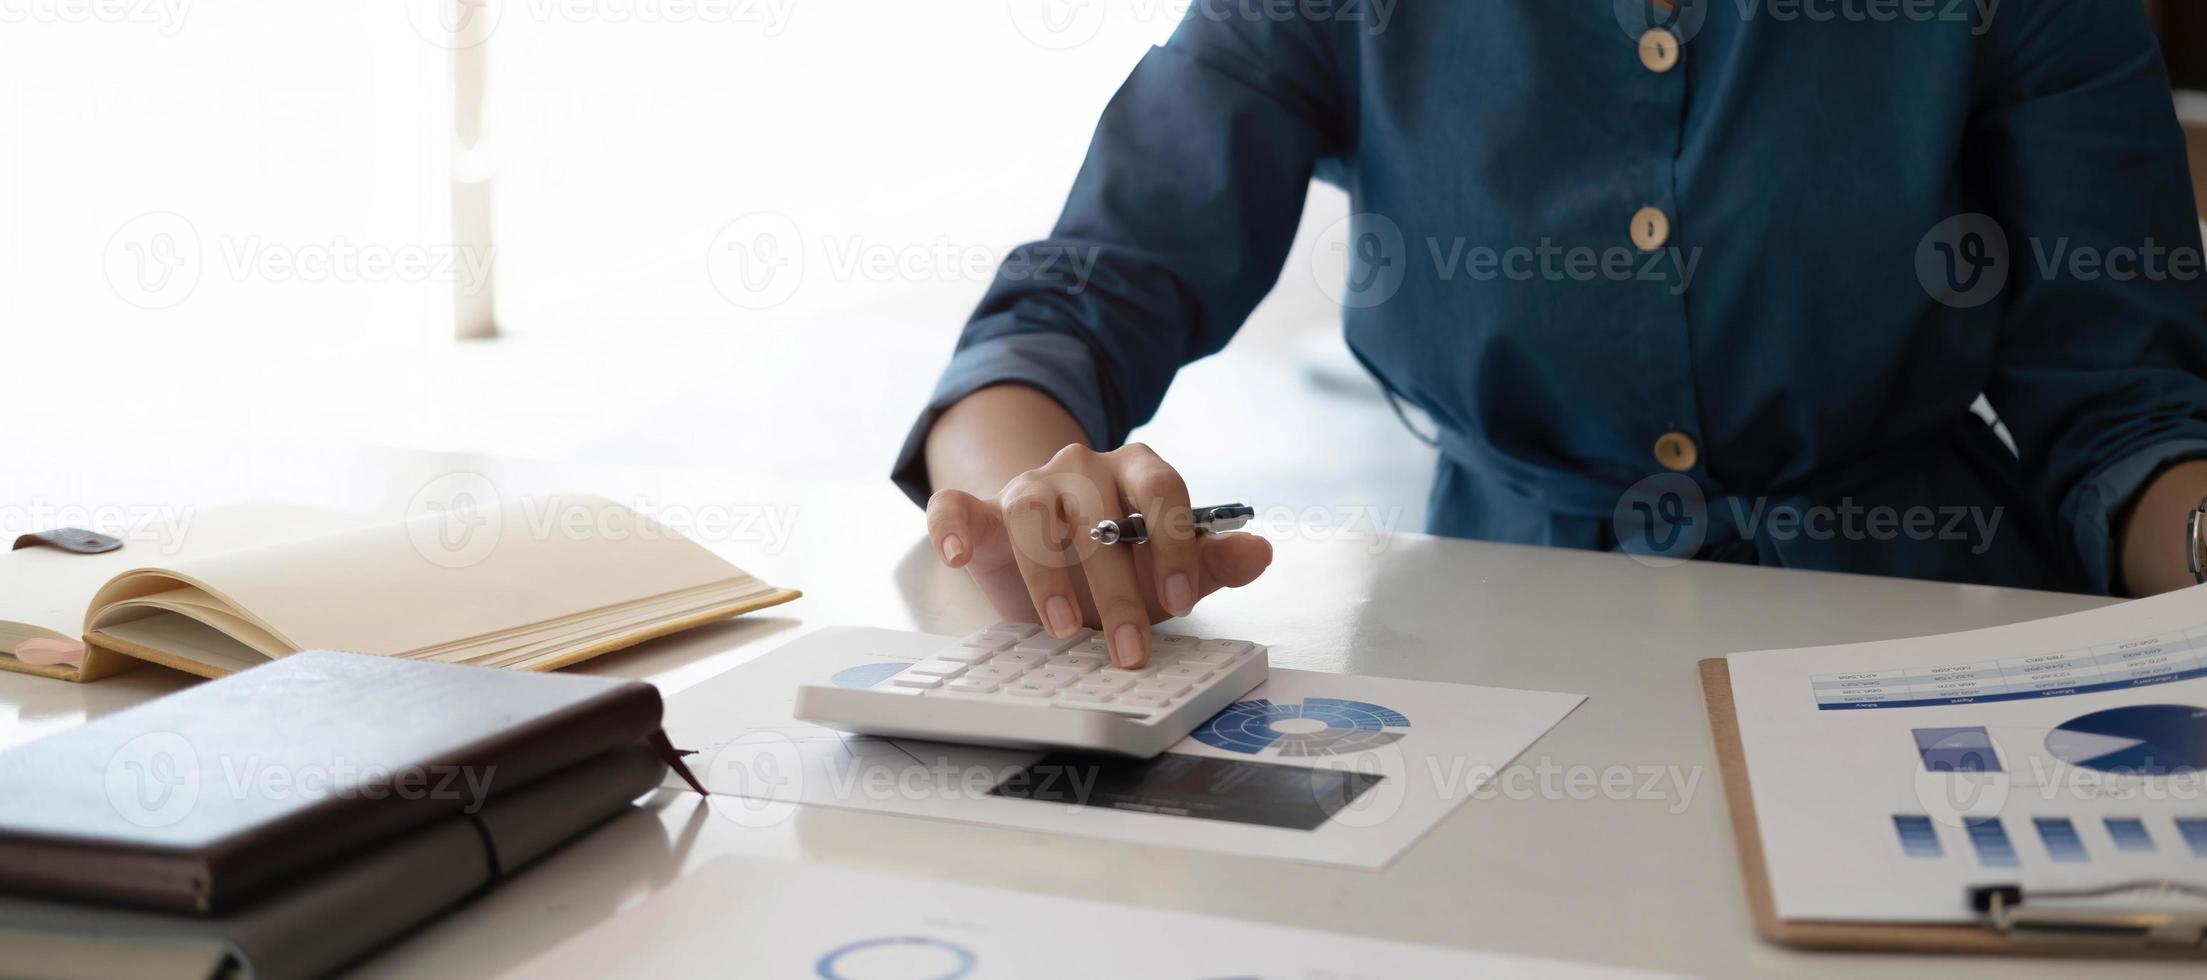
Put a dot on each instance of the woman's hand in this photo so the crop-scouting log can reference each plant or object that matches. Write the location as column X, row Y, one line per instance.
column 1028, row 547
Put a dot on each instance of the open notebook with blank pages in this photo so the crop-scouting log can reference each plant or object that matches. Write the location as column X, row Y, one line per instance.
column 539, row 584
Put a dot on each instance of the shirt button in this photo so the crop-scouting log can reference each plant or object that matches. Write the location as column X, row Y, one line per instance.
column 1659, row 50
column 1651, row 228
column 1676, row 451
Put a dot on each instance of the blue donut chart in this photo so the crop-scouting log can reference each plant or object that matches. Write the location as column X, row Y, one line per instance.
column 2138, row 739
column 868, row 675
column 1249, row 727
column 962, row 958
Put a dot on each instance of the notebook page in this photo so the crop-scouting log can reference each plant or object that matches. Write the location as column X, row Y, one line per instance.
column 49, row 589
column 440, row 579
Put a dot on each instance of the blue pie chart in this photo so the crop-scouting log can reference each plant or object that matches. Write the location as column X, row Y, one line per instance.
column 2138, row 740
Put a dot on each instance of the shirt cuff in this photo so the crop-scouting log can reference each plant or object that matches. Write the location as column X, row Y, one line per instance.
column 1057, row 365
column 2103, row 498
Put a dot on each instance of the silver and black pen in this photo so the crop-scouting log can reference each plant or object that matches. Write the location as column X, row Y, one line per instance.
column 1135, row 529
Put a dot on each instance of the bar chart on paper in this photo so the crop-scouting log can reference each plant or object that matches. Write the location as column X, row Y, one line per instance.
column 1891, row 777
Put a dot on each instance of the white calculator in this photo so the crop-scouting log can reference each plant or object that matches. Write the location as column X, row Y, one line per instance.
column 1016, row 686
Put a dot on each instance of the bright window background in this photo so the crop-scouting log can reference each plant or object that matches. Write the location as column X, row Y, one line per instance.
column 927, row 139
column 908, row 145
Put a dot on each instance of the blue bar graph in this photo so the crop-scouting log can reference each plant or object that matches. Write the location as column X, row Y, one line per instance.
column 2060, row 837
column 2194, row 832
column 1991, row 840
column 1918, row 838
column 1956, row 750
column 2130, row 835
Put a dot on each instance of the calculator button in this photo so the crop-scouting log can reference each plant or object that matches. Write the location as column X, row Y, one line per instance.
column 1170, row 641
column 1092, row 648
column 1193, row 672
column 1231, row 647
column 1051, row 677
column 971, row 685
column 1016, row 657
column 965, row 654
column 1170, row 685
column 1077, row 663
column 1026, row 690
column 921, row 681
column 998, row 672
column 1113, row 685
column 1086, row 696
column 1146, row 699
column 937, row 668
column 1117, row 673
column 1050, row 646
column 992, row 639
column 1017, row 630
column 1207, row 658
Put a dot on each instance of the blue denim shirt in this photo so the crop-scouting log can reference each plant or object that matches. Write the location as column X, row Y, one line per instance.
column 1726, row 291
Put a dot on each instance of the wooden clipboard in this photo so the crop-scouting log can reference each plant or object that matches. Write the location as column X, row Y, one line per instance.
column 1908, row 937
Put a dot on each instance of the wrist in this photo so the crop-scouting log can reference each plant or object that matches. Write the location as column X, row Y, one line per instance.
column 994, row 434
column 2159, row 533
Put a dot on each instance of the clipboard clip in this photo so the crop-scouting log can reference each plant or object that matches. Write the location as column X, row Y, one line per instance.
column 2045, row 913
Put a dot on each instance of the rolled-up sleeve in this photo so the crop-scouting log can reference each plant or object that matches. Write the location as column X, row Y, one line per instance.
column 2100, row 371
column 1176, row 227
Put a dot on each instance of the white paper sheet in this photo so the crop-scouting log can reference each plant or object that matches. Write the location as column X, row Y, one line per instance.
column 741, row 917
column 1431, row 745
column 1888, row 777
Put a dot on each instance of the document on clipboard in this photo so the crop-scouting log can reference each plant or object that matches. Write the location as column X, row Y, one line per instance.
column 2038, row 787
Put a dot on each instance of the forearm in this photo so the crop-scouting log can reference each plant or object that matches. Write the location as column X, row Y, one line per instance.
column 995, row 434
column 2154, row 542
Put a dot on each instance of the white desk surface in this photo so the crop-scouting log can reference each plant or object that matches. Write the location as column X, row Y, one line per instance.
column 1646, row 882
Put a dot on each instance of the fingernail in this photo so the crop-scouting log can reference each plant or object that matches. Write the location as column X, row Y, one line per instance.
column 953, row 549
column 1179, row 594
column 1058, row 610
column 1126, row 646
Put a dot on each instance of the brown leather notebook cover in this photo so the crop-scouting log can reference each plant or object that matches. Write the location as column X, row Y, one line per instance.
column 1724, row 727
column 198, row 801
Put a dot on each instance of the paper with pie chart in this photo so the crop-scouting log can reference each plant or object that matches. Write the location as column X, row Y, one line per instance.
column 2064, row 753
column 1314, row 767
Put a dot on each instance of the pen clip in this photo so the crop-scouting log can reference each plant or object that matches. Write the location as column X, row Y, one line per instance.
column 2008, row 909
